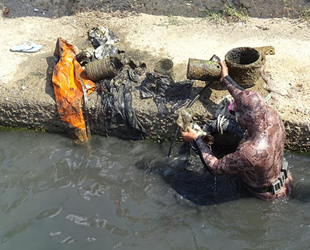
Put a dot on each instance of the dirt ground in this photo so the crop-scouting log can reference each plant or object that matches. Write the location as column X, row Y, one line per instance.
column 150, row 37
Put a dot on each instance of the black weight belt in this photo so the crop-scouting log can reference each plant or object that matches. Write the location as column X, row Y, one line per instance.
column 275, row 186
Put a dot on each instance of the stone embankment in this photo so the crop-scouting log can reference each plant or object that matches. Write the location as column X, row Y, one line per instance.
column 152, row 30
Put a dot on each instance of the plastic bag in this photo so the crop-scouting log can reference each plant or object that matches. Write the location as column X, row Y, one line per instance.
column 71, row 88
column 167, row 94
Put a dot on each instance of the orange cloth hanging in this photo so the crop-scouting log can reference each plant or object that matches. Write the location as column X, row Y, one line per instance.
column 71, row 85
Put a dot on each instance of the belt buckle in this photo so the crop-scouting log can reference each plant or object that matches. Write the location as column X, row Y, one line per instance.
column 285, row 170
column 276, row 186
column 282, row 178
column 279, row 183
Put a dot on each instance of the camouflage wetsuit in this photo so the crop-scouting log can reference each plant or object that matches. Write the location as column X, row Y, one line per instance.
column 259, row 156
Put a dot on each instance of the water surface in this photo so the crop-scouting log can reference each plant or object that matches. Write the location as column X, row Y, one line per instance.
column 114, row 194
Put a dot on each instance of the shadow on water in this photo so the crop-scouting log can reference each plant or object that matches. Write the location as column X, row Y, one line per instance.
column 193, row 182
column 301, row 192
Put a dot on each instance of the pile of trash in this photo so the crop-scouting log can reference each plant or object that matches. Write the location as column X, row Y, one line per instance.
column 105, row 69
column 167, row 94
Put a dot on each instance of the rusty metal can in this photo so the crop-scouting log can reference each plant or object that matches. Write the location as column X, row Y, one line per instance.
column 104, row 68
column 204, row 70
column 164, row 66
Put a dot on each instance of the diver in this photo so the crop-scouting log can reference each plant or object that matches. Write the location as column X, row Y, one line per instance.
column 258, row 159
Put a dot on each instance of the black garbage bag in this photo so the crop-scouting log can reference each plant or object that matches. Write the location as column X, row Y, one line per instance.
column 116, row 99
column 167, row 94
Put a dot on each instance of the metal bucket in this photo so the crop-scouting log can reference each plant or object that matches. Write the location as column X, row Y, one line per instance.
column 244, row 64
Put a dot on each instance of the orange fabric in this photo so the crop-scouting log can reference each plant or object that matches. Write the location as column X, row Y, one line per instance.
column 68, row 80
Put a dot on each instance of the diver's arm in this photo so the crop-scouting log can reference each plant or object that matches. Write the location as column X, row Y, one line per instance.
column 230, row 164
column 233, row 82
column 233, row 87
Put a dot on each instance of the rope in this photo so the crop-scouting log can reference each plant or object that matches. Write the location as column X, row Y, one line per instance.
column 220, row 120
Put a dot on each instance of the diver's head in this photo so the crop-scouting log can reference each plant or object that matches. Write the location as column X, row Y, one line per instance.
column 248, row 108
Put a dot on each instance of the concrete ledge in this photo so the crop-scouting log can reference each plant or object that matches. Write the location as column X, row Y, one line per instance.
column 26, row 93
column 42, row 115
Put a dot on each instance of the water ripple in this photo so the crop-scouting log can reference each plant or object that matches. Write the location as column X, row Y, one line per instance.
column 49, row 213
column 79, row 220
column 68, row 240
column 90, row 239
column 55, row 234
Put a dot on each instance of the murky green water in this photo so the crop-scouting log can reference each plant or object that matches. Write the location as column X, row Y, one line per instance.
column 58, row 195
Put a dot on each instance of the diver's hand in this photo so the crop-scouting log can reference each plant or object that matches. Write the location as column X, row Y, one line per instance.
column 224, row 70
column 190, row 135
